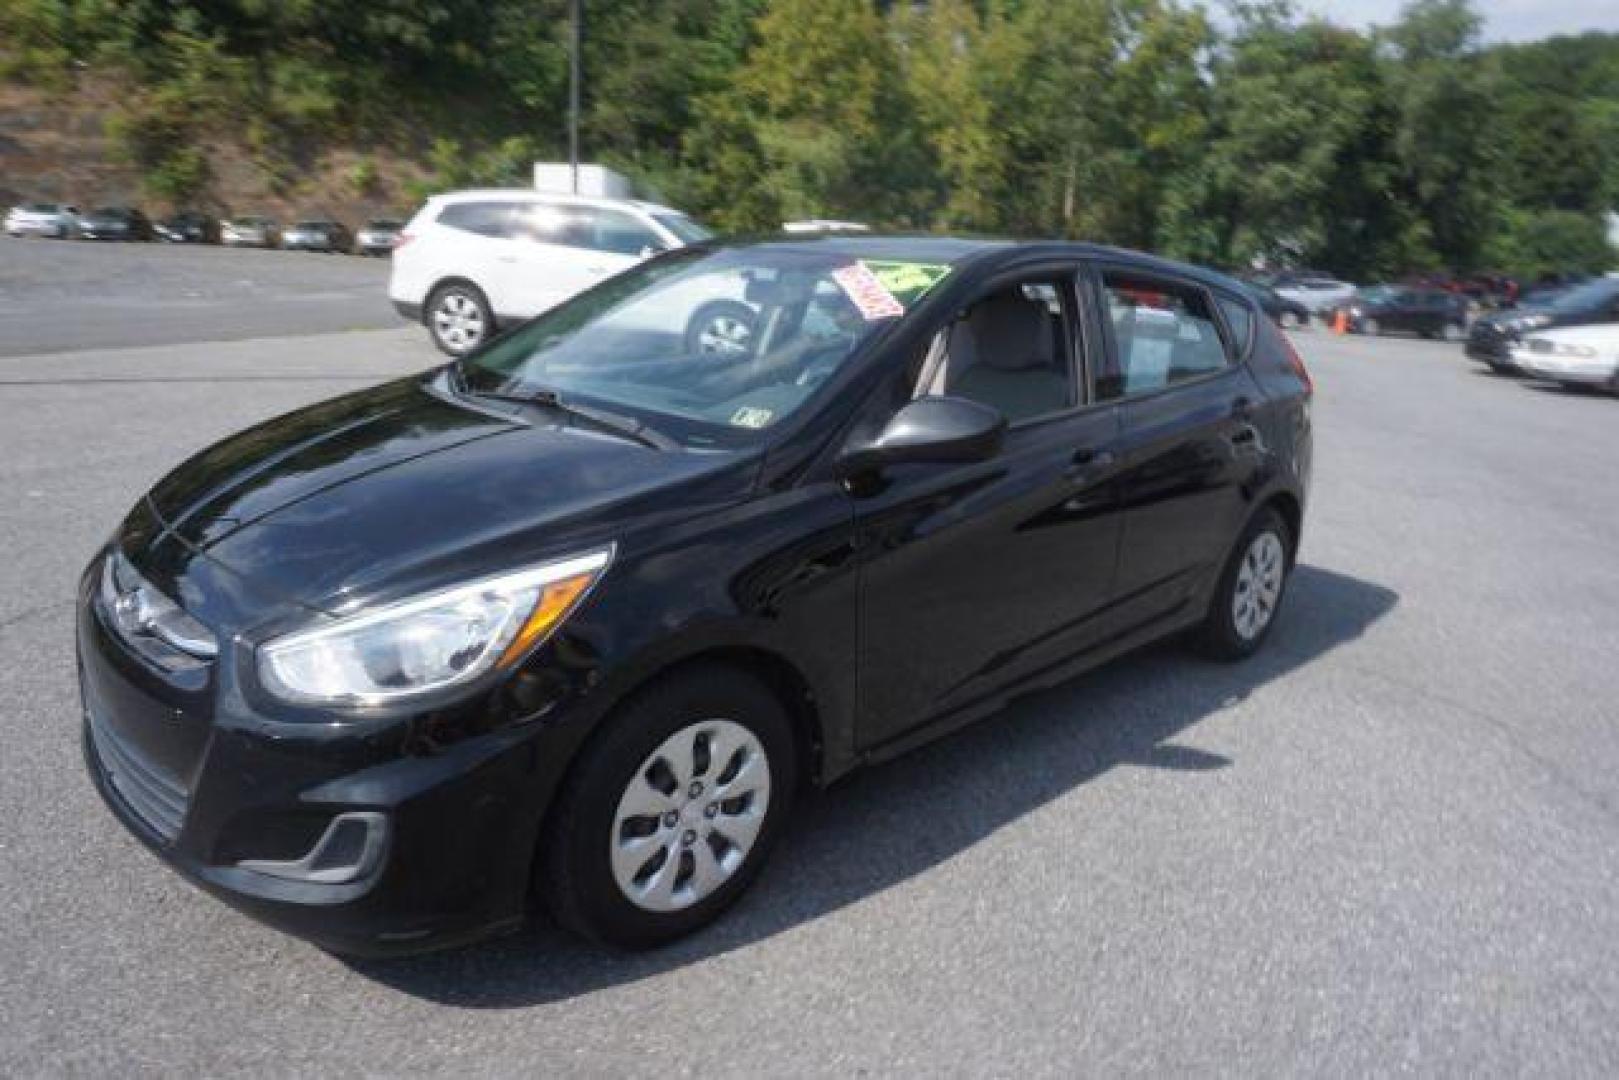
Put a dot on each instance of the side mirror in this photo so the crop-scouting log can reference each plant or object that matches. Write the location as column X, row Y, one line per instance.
column 932, row 430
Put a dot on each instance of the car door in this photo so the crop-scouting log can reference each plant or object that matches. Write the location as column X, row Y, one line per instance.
column 977, row 576
column 547, row 260
column 1188, row 439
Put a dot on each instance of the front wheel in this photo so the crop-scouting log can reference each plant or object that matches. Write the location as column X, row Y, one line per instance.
column 721, row 328
column 668, row 815
column 459, row 318
column 1250, row 590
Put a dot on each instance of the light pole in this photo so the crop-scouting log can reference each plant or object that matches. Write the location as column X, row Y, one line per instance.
column 574, row 16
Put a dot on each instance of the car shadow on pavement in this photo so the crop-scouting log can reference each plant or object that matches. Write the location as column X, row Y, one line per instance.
column 890, row 823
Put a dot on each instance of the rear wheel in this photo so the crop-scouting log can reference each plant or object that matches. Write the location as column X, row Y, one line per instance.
column 668, row 815
column 1250, row 590
column 459, row 318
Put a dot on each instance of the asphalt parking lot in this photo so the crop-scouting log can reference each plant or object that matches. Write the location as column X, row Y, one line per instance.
column 1389, row 843
column 57, row 296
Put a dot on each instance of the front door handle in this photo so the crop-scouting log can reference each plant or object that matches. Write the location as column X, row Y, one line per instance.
column 1088, row 459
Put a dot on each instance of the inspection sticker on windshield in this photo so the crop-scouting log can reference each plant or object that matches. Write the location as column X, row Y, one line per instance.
column 751, row 416
column 867, row 293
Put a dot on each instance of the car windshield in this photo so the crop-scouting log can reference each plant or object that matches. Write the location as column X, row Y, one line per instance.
column 40, row 208
column 1380, row 293
column 383, row 223
column 311, row 225
column 1593, row 294
column 709, row 347
column 684, row 227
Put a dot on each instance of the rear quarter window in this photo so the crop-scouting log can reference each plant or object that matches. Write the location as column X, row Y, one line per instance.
column 478, row 218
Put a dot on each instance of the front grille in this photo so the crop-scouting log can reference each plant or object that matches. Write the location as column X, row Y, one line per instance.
column 155, row 799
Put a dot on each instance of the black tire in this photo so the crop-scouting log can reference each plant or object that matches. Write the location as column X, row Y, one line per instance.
column 466, row 322
column 703, row 333
column 1219, row 637
column 574, row 874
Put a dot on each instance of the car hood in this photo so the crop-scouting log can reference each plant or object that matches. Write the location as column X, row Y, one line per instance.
column 406, row 480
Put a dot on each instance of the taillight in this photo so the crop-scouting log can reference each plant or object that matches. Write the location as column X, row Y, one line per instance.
column 1296, row 362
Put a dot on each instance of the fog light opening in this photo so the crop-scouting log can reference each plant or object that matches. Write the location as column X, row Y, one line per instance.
column 349, row 849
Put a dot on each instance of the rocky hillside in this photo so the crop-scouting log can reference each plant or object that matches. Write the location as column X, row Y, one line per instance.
column 54, row 146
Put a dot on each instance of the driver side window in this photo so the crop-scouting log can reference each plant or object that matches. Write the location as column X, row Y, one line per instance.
column 1009, row 350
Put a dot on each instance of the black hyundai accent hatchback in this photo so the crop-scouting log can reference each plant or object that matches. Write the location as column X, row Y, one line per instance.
column 575, row 617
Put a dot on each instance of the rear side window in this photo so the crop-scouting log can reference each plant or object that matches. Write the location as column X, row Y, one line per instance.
column 1239, row 320
column 478, row 218
column 1163, row 332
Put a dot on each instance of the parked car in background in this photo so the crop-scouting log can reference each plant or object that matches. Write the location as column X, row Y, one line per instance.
column 1288, row 314
column 1379, row 309
column 251, row 231
column 317, row 234
column 575, row 619
column 189, row 227
column 378, row 236
column 43, row 219
column 1319, row 295
column 1494, row 337
column 115, row 223
column 1580, row 356
column 471, row 261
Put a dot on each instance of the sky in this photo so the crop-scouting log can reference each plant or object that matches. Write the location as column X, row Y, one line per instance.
column 1504, row 20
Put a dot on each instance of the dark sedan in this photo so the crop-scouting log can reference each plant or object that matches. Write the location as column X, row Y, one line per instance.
column 115, row 223
column 1494, row 337
column 189, row 227
column 1428, row 312
column 331, row 237
column 1288, row 314
column 580, row 614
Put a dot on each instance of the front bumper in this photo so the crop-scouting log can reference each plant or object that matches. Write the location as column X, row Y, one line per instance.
column 1587, row 372
column 218, row 793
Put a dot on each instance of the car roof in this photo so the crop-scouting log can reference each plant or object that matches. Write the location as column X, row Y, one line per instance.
column 536, row 195
column 987, row 250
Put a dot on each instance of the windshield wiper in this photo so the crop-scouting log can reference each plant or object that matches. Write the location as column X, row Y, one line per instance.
column 546, row 397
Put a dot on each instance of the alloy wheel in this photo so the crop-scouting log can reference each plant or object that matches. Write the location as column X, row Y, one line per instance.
column 690, row 815
column 1259, row 585
column 725, row 335
column 458, row 321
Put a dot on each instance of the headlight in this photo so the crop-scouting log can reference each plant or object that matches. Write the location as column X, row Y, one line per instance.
column 431, row 642
column 1532, row 322
column 140, row 610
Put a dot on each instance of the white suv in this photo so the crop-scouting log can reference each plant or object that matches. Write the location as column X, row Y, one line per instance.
column 471, row 261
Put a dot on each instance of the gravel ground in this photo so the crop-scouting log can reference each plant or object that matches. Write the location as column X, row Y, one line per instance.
column 1386, row 844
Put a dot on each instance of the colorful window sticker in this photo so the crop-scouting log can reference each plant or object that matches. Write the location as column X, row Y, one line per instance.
column 881, row 289
column 752, row 416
